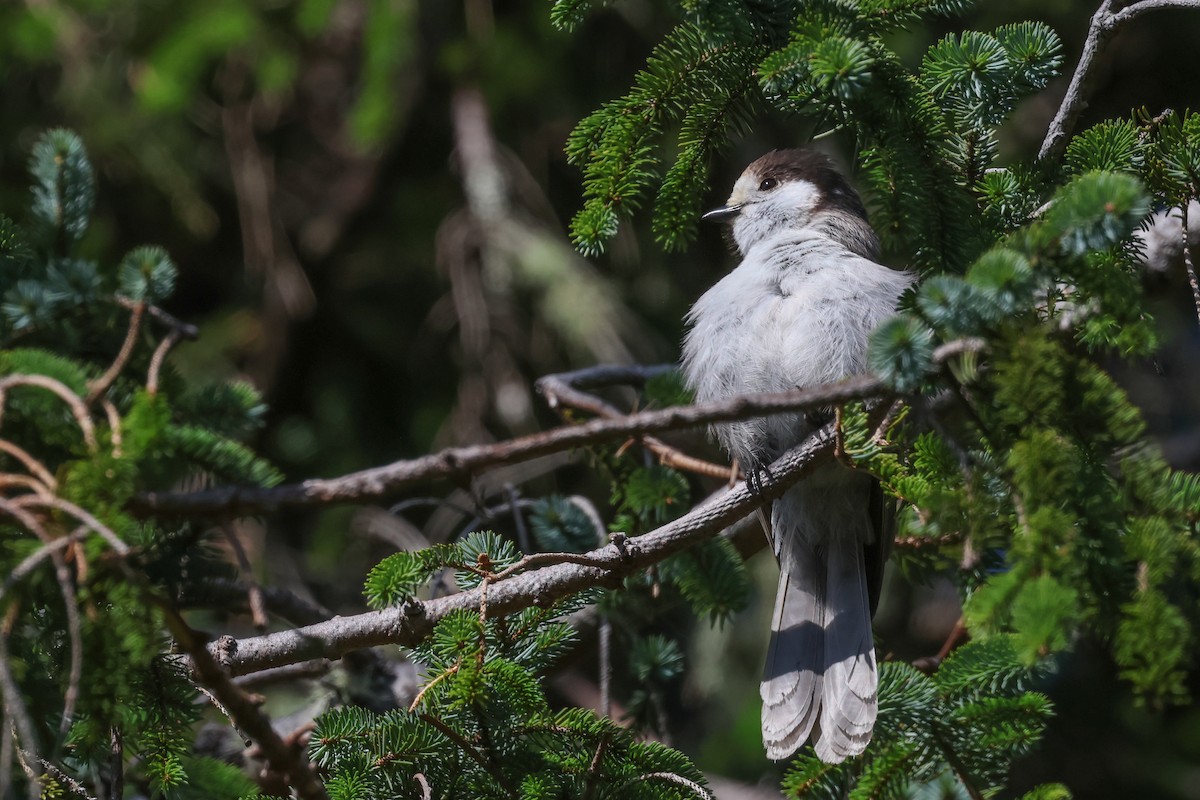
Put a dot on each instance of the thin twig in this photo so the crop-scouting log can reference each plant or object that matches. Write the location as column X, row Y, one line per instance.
column 1103, row 25
column 1187, row 257
column 156, row 360
column 186, row 329
column 80, row 514
column 678, row 780
column 462, row 743
column 116, row 765
column 32, row 464
column 33, row 788
column 101, row 384
column 14, row 508
column 565, row 389
column 254, row 593
column 18, row 714
column 413, row 622
column 421, row 694
column 456, row 462
column 66, row 780
column 459, row 461
column 245, row 712
column 514, row 498
column 305, row 670
column 73, row 401
column 219, row 706
column 8, row 479
column 114, row 425
column 1135, row 10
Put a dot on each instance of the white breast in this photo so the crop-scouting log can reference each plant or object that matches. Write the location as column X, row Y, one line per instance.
column 798, row 311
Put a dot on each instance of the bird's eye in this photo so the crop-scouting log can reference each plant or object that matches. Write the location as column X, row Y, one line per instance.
column 768, row 184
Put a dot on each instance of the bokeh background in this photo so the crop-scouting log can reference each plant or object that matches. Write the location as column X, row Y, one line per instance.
column 367, row 200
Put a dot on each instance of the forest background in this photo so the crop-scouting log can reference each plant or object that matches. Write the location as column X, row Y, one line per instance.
column 298, row 161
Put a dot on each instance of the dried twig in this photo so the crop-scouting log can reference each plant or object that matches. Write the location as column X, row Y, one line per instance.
column 99, row 386
column 245, row 713
column 564, row 389
column 156, row 360
column 186, row 329
column 13, row 703
column 37, row 468
column 114, row 425
column 80, row 514
column 1187, row 257
column 413, row 622
column 73, row 401
column 456, row 462
column 254, row 594
column 1104, row 24
column 678, row 780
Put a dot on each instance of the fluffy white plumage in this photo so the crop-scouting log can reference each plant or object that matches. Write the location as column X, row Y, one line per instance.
column 798, row 311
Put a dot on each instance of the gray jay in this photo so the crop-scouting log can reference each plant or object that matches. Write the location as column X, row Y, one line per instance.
column 798, row 311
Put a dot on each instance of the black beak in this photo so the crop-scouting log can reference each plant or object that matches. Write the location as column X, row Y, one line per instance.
column 722, row 214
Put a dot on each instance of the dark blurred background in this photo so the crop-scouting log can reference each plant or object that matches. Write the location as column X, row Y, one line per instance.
column 367, row 200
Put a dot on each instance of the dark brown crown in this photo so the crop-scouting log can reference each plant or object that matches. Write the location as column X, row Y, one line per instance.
column 817, row 169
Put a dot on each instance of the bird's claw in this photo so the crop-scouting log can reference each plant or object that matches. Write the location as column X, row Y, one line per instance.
column 755, row 477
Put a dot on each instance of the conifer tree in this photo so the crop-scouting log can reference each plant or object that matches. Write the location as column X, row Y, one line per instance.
column 1010, row 450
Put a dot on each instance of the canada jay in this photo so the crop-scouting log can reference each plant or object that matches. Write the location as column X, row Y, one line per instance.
column 797, row 311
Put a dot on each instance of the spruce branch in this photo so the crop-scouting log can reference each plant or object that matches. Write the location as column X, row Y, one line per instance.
column 565, row 389
column 14, row 706
column 244, row 711
column 1103, row 26
column 413, row 621
column 459, row 462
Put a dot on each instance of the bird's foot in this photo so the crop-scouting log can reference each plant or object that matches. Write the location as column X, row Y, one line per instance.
column 755, row 477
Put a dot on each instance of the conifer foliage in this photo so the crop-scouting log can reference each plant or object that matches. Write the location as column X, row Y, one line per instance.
column 92, row 413
column 1018, row 464
column 1013, row 451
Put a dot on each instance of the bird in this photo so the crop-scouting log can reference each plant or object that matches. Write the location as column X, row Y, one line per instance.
column 798, row 311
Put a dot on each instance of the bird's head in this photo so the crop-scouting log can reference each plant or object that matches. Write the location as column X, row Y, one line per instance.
column 796, row 189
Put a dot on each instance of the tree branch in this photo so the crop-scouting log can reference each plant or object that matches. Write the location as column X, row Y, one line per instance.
column 247, row 716
column 414, row 621
column 457, row 462
column 1104, row 24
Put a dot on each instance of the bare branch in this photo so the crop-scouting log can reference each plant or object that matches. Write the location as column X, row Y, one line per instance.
column 16, row 712
column 254, row 595
column 1188, row 266
column 458, row 462
column 305, row 670
column 1104, row 24
column 186, row 329
column 156, row 360
column 37, row 468
column 678, row 780
column 101, row 384
column 565, row 389
column 245, row 713
column 608, row 565
column 13, row 704
column 80, row 514
column 1137, row 9
column 73, row 401
column 114, row 425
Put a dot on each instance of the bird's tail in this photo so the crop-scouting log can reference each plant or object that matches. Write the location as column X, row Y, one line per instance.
column 820, row 678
